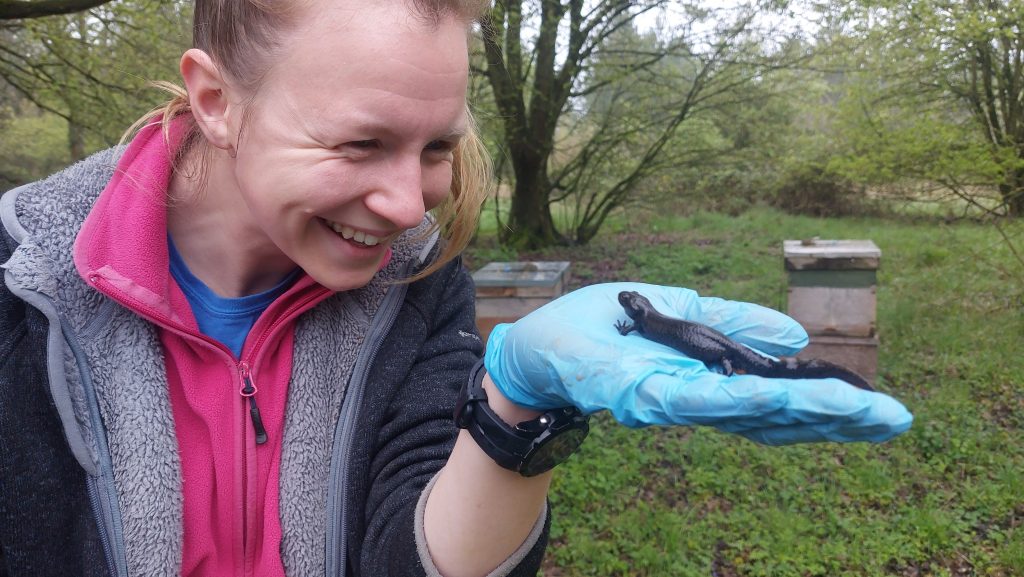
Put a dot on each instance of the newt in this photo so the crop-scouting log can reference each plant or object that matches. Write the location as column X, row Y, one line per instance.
column 713, row 348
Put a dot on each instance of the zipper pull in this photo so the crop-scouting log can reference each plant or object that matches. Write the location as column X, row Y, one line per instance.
column 249, row 391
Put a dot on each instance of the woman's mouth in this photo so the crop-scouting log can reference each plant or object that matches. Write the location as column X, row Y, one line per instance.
column 350, row 234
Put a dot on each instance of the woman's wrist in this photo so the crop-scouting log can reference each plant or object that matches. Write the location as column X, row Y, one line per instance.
column 509, row 412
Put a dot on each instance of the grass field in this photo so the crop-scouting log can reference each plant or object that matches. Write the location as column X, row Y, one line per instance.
column 946, row 498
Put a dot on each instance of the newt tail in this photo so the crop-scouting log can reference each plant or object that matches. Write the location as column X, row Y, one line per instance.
column 711, row 347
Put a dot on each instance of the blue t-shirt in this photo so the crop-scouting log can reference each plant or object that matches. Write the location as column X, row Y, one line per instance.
column 227, row 320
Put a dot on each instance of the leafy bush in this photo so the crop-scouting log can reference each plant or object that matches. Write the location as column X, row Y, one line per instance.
column 815, row 191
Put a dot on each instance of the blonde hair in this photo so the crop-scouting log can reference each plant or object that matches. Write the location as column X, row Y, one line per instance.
column 242, row 36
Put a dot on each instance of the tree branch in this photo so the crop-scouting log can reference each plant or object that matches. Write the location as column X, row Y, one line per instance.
column 20, row 9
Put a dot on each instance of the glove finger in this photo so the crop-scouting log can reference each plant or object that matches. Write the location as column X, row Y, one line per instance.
column 748, row 403
column 773, row 401
column 698, row 398
column 881, row 419
column 761, row 328
column 839, row 432
column 812, row 401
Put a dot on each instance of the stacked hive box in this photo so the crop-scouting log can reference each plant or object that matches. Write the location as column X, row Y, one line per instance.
column 508, row 291
column 832, row 293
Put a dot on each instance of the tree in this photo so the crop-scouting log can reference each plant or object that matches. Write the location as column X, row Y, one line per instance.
column 33, row 145
column 89, row 68
column 941, row 95
column 19, row 9
column 580, row 97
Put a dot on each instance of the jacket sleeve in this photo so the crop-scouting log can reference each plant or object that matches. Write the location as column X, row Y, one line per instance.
column 431, row 351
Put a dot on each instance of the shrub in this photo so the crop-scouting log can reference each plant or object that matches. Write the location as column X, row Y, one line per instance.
column 815, row 191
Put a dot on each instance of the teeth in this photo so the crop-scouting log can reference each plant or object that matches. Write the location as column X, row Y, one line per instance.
column 349, row 233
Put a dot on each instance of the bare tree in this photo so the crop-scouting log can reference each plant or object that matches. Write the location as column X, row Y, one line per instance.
column 555, row 69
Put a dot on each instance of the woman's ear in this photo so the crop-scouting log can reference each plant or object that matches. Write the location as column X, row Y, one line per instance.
column 208, row 98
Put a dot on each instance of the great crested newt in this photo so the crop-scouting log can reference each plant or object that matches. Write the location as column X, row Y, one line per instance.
column 713, row 348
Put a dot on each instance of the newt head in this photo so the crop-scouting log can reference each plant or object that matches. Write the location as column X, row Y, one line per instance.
column 634, row 303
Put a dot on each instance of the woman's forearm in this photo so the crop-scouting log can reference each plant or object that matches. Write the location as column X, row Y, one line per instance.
column 478, row 513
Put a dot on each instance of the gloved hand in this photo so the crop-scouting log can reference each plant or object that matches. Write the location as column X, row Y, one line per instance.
column 569, row 352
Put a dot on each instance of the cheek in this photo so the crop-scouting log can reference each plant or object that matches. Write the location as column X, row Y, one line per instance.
column 283, row 182
column 437, row 185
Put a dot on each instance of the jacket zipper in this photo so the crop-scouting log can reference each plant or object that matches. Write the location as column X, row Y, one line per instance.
column 100, row 487
column 337, row 528
column 99, row 483
column 248, row 391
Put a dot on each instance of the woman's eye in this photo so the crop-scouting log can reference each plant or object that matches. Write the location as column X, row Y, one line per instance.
column 354, row 149
column 441, row 145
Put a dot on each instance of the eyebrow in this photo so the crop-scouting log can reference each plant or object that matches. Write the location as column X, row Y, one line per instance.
column 455, row 134
column 457, row 130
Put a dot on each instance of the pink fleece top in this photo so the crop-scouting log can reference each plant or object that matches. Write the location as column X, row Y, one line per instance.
column 230, row 484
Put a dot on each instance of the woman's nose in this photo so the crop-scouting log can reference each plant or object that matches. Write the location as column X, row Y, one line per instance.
column 399, row 196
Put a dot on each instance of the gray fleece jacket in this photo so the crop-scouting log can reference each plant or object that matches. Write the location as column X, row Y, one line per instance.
column 89, row 470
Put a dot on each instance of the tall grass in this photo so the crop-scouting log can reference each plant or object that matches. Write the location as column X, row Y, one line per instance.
column 946, row 498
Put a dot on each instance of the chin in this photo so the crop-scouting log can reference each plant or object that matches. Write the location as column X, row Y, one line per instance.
column 347, row 281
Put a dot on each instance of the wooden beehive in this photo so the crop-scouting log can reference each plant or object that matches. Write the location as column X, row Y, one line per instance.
column 832, row 293
column 508, row 291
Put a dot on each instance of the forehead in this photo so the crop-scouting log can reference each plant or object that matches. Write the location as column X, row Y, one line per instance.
column 375, row 53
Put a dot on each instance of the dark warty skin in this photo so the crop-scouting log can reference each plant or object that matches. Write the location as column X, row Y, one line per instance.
column 713, row 348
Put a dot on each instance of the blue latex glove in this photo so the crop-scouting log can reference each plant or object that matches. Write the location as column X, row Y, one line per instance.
column 569, row 352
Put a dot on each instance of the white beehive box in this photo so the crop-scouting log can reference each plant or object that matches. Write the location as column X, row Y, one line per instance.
column 508, row 291
column 833, row 294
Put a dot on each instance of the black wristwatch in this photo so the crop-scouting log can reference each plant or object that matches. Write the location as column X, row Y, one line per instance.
column 529, row 448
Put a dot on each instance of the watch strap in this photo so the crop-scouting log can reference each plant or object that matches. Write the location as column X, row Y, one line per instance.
column 474, row 413
column 530, row 447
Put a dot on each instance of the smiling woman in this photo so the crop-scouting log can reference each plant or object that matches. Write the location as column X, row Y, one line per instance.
column 387, row 125
column 366, row 161
column 236, row 347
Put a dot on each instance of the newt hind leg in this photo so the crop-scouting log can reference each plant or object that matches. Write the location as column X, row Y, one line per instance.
column 727, row 366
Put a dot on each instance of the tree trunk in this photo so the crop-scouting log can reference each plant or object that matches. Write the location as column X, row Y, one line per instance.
column 76, row 141
column 530, row 223
column 1012, row 192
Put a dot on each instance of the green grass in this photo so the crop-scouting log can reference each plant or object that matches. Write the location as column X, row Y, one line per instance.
column 946, row 498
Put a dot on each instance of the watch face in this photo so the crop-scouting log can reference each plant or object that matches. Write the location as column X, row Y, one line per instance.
column 553, row 451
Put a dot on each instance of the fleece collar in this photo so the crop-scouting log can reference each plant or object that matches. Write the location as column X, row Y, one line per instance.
column 123, row 240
